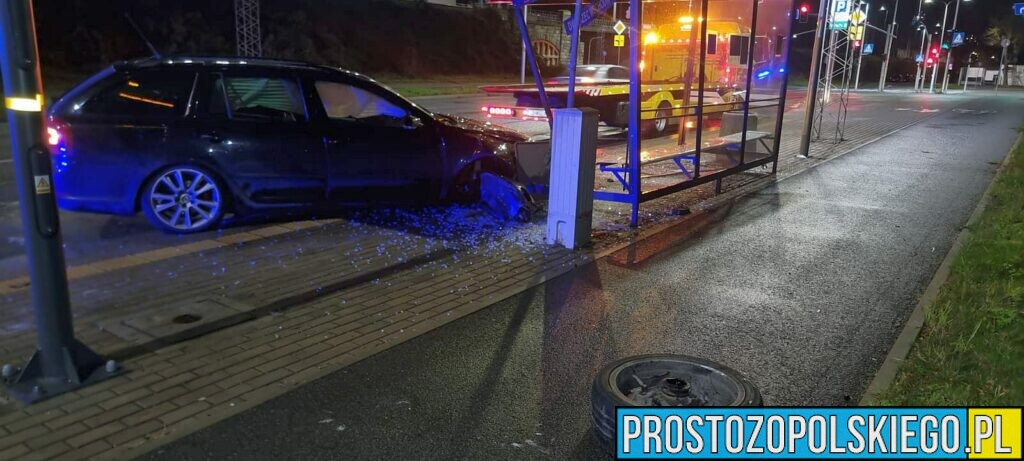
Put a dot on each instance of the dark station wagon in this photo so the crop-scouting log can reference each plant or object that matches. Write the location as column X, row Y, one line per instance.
column 190, row 140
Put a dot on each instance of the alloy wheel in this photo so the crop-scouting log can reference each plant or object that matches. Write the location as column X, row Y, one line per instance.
column 185, row 199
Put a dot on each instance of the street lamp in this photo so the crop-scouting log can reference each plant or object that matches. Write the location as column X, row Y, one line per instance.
column 942, row 35
column 945, row 71
column 921, row 69
column 919, row 78
column 888, row 43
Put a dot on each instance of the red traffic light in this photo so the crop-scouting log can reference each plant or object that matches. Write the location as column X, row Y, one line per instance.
column 935, row 51
column 856, row 43
column 930, row 61
column 803, row 13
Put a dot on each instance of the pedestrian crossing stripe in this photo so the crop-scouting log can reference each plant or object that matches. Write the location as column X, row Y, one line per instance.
column 43, row 185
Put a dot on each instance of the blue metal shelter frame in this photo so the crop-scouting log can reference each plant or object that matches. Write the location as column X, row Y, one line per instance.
column 629, row 174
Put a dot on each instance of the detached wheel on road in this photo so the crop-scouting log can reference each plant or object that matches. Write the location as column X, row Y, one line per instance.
column 183, row 200
column 664, row 380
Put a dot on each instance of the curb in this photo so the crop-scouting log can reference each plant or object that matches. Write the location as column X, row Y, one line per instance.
column 886, row 373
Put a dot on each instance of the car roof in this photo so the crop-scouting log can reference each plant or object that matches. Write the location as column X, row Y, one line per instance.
column 599, row 66
column 220, row 61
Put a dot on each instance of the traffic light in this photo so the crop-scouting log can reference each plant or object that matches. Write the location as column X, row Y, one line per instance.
column 929, row 62
column 856, row 43
column 935, row 51
column 803, row 14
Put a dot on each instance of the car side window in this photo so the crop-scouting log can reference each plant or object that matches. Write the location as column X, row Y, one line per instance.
column 712, row 43
column 618, row 73
column 150, row 94
column 270, row 99
column 347, row 102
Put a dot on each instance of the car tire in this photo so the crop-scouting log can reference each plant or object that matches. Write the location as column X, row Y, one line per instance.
column 465, row 187
column 660, row 125
column 184, row 199
column 606, row 396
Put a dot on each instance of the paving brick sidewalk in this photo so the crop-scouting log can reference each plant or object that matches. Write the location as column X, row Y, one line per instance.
column 316, row 297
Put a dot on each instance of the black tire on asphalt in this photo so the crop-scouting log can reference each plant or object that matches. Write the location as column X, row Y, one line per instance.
column 145, row 201
column 605, row 397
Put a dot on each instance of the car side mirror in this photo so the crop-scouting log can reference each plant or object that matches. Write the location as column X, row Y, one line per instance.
column 412, row 122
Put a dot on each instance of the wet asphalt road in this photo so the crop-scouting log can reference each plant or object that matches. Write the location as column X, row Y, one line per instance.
column 802, row 287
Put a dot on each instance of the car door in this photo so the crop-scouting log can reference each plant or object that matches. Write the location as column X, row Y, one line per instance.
column 256, row 127
column 379, row 148
column 127, row 127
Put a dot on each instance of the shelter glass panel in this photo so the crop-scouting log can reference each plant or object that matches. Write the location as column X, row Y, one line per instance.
column 670, row 70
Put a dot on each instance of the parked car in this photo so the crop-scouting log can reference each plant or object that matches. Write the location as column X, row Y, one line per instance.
column 188, row 140
column 597, row 73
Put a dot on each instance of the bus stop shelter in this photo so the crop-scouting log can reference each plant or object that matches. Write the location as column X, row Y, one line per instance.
column 705, row 95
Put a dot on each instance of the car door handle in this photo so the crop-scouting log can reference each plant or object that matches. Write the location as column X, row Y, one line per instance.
column 211, row 136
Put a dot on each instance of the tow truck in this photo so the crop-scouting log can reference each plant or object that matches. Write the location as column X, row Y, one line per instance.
column 669, row 79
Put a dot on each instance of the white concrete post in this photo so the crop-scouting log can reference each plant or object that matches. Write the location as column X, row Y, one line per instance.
column 573, row 159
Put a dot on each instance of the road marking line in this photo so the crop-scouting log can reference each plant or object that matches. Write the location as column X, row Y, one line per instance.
column 17, row 284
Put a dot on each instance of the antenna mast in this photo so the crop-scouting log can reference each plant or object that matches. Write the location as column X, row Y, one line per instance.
column 247, row 27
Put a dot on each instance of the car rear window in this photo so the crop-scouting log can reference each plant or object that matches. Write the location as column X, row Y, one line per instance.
column 151, row 94
column 258, row 98
column 586, row 72
column 618, row 73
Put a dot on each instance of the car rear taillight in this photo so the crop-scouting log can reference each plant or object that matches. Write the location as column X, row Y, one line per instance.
column 53, row 136
column 497, row 111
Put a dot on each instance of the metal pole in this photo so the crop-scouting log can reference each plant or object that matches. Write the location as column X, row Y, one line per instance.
column 928, row 48
column 1002, row 64
column 812, row 80
column 967, row 73
column 924, row 29
column 830, row 66
column 701, row 84
column 860, row 60
column 522, row 62
column 60, row 363
column 919, row 78
column 615, row 19
column 531, row 58
column 942, row 38
column 635, row 26
column 573, row 49
column 749, row 83
column 888, row 47
column 782, row 100
column 860, row 49
column 949, row 54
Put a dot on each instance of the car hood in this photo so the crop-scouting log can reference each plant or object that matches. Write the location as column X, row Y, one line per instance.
column 478, row 128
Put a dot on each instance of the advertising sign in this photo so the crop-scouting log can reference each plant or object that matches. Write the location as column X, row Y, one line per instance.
column 839, row 18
